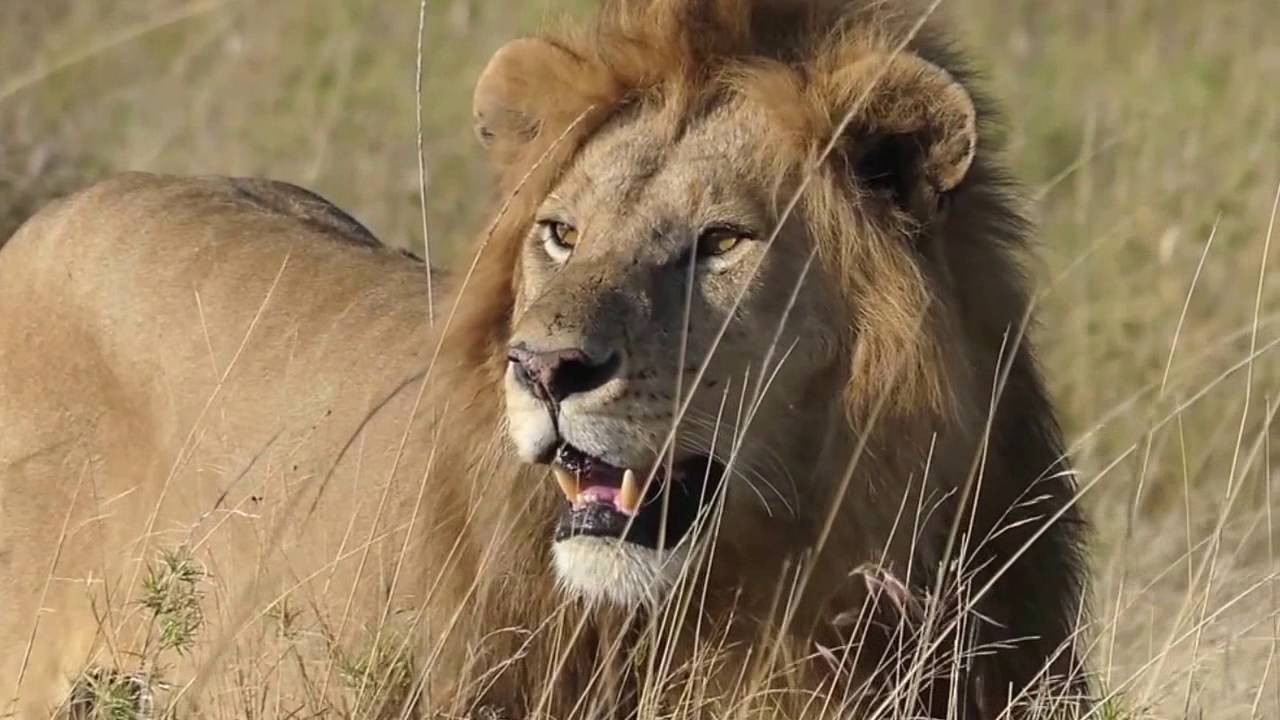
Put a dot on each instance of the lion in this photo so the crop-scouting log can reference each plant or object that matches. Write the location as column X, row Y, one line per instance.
column 733, row 411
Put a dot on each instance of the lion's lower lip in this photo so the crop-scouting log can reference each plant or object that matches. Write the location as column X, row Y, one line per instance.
column 598, row 520
column 667, row 509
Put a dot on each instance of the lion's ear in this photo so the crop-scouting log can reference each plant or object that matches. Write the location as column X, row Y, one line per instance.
column 516, row 92
column 916, row 133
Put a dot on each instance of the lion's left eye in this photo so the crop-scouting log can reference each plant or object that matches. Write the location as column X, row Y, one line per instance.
column 715, row 242
column 559, row 239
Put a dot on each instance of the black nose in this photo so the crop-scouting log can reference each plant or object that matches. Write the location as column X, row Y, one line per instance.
column 554, row 375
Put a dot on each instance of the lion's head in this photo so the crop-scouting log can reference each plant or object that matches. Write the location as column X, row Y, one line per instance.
column 666, row 243
column 763, row 253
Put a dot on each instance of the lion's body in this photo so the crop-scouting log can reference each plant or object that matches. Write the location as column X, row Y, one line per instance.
column 111, row 400
column 233, row 368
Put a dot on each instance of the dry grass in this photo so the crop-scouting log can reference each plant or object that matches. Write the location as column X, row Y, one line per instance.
column 1149, row 130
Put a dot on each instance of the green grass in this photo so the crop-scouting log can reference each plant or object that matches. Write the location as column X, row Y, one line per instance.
column 171, row 593
column 109, row 696
column 1148, row 131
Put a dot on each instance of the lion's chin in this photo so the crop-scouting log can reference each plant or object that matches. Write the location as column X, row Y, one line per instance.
column 603, row 570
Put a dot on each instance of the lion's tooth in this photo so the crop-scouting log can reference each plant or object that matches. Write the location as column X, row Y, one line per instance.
column 629, row 496
column 568, row 482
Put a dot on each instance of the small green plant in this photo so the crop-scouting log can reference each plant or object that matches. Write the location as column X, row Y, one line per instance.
column 171, row 591
column 379, row 680
column 110, row 695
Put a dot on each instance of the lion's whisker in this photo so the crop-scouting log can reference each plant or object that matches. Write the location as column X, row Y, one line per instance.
column 749, row 474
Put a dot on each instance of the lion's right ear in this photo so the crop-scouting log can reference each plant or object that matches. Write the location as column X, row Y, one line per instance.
column 914, row 134
column 526, row 82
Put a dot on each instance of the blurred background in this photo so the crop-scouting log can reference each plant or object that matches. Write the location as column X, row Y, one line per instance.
column 1147, row 131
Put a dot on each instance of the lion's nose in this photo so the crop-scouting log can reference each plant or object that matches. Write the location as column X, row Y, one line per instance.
column 554, row 375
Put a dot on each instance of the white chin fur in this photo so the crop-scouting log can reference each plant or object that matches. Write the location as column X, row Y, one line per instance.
column 601, row 570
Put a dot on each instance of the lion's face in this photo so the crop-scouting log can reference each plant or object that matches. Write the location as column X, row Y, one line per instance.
column 637, row 258
column 672, row 339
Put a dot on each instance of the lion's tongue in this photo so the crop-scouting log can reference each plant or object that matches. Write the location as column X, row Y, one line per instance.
column 622, row 494
column 586, row 480
column 600, row 494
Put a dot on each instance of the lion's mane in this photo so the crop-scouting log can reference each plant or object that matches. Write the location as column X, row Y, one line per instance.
column 937, row 349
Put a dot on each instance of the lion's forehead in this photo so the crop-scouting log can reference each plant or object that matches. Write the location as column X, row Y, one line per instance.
column 690, row 169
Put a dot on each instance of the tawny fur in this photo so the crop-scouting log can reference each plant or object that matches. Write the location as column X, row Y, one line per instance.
column 132, row 402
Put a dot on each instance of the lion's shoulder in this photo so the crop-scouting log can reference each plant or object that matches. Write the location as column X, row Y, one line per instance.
column 186, row 211
column 300, row 204
column 174, row 229
column 213, row 196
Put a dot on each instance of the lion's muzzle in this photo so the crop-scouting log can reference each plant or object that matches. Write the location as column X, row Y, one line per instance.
column 629, row 513
column 623, row 536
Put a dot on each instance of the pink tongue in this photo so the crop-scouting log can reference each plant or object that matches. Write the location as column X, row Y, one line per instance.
column 600, row 494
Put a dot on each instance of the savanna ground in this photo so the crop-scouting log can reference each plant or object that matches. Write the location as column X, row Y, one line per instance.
column 1148, row 131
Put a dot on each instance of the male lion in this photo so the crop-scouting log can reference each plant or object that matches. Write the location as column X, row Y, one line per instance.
column 733, row 412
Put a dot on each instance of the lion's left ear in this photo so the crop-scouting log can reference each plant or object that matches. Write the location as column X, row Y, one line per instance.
column 915, row 134
column 527, row 84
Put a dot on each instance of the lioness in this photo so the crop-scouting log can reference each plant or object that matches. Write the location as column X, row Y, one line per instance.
column 732, row 413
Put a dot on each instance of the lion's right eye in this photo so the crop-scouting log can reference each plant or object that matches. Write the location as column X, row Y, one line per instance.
column 559, row 239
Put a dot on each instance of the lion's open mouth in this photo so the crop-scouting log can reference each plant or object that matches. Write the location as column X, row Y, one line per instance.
column 608, row 501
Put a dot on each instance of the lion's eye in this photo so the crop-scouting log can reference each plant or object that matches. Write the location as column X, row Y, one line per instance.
column 563, row 234
column 715, row 242
column 559, row 238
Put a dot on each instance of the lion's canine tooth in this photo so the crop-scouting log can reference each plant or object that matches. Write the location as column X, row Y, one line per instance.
column 568, row 482
column 629, row 496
